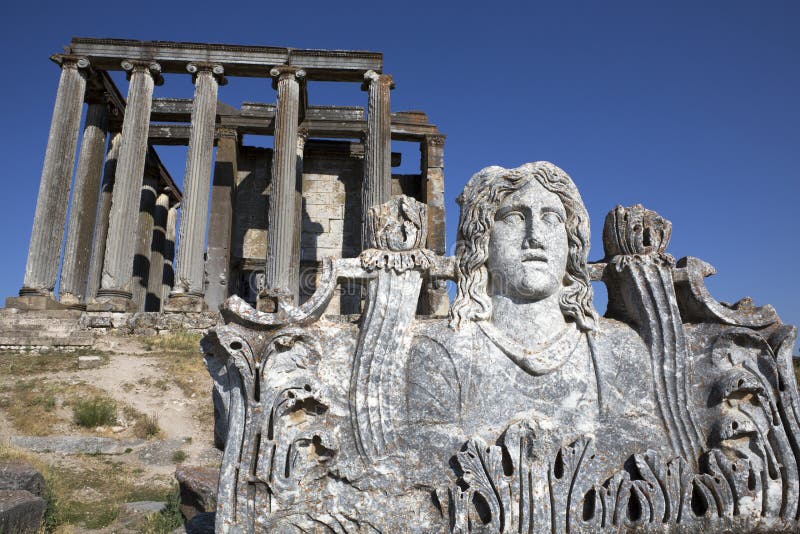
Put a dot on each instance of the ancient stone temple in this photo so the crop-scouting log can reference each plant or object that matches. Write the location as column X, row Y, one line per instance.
column 274, row 214
column 523, row 411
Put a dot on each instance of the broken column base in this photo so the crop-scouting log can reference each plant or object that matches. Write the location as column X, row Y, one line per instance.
column 185, row 302
column 112, row 301
column 34, row 302
column 72, row 302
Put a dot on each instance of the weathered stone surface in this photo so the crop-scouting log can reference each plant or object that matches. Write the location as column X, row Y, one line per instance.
column 283, row 219
column 198, row 486
column 523, row 411
column 76, row 444
column 21, row 512
column 19, row 475
column 115, row 291
column 41, row 268
column 197, row 184
column 202, row 523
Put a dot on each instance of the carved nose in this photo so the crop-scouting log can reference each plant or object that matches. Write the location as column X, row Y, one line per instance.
column 531, row 241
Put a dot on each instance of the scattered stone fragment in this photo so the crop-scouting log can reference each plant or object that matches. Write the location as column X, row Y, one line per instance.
column 76, row 444
column 19, row 475
column 198, row 487
column 21, row 512
column 89, row 362
column 202, row 523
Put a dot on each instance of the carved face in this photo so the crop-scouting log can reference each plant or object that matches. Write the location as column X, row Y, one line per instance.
column 528, row 245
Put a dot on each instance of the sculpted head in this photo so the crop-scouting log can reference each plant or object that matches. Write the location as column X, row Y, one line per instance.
column 524, row 234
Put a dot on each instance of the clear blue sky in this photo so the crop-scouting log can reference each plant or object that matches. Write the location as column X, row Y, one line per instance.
column 690, row 108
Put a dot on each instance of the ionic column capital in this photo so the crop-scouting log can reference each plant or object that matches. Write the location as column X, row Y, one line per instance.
column 283, row 72
column 224, row 132
column 151, row 67
column 435, row 140
column 302, row 137
column 69, row 61
column 216, row 70
column 372, row 77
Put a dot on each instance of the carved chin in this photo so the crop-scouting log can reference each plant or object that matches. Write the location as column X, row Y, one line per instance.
column 531, row 286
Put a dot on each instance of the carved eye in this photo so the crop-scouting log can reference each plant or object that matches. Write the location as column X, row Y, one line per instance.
column 552, row 217
column 512, row 217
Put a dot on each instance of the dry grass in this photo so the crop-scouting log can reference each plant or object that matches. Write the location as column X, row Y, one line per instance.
column 181, row 359
column 90, row 491
column 30, row 363
column 112, row 482
column 32, row 405
column 173, row 342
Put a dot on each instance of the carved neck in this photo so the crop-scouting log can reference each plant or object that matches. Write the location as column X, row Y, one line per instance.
column 528, row 323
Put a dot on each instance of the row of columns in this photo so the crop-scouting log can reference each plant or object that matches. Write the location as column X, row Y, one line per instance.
column 107, row 269
column 100, row 255
column 285, row 199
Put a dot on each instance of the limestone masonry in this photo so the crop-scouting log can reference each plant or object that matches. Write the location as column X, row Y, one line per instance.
column 275, row 213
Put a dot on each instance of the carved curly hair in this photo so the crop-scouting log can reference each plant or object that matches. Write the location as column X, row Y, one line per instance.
column 479, row 201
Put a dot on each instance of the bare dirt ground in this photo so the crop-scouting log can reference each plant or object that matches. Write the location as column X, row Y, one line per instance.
column 163, row 416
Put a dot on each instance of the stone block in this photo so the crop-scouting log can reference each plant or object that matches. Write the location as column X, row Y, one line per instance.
column 336, row 228
column 317, row 199
column 21, row 512
column 198, row 488
column 89, row 362
column 328, row 185
column 111, row 304
column 184, row 304
column 202, row 523
column 315, row 226
column 34, row 302
column 75, row 444
column 19, row 475
column 321, row 212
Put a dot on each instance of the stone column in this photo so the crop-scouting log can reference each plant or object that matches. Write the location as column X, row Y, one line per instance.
column 281, row 216
column 80, row 230
column 115, row 293
column 169, row 252
column 155, row 280
column 103, row 213
column 377, row 185
column 435, row 300
column 187, row 294
column 294, row 267
column 144, row 236
column 41, row 268
column 220, row 224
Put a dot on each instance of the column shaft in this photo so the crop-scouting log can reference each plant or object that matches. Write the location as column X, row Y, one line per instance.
column 103, row 213
column 377, row 184
column 435, row 300
column 116, row 288
column 294, row 267
column 187, row 295
column 41, row 268
column 155, row 280
column 144, row 236
column 80, row 230
column 168, row 279
column 221, row 220
column 281, row 216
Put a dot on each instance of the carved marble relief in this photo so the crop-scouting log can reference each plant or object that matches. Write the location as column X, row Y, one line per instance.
column 524, row 411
